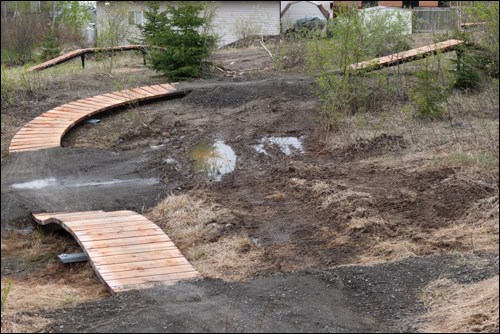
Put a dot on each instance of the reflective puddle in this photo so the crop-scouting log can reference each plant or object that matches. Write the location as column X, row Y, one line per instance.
column 53, row 182
column 36, row 184
column 287, row 145
column 214, row 158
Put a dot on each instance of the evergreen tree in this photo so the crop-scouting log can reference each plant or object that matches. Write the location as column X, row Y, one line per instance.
column 178, row 34
column 50, row 47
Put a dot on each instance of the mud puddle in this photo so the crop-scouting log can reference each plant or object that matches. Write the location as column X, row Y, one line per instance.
column 213, row 158
column 287, row 145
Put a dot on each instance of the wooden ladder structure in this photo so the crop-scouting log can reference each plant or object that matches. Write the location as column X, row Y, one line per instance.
column 47, row 130
column 126, row 250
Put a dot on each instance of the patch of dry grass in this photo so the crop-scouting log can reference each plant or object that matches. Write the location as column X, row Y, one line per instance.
column 198, row 229
column 41, row 280
column 454, row 308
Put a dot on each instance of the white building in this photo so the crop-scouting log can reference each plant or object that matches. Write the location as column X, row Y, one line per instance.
column 232, row 20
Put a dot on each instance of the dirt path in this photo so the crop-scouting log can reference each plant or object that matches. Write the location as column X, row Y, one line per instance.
column 382, row 298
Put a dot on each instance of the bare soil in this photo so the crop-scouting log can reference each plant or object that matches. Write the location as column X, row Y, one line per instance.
column 366, row 202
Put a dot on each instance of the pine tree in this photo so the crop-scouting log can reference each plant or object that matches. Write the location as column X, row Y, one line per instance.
column 178, row 34
column 50, row 47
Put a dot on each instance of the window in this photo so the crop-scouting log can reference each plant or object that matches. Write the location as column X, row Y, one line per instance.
column 410, row 4
column 135, row 18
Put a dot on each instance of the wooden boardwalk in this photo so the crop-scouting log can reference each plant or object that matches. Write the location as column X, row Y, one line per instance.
column 81, row 53
column 126, row 250
column 406, row 56
column 47, row 130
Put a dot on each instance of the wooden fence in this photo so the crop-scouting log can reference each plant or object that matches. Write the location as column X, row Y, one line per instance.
column 434, row 19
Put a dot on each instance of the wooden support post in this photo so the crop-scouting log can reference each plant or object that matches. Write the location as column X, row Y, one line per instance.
column 460, row 54
column 82, row 56
column 144, row 56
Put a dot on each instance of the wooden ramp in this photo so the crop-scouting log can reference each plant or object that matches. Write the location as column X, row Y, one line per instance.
column 126, row 250
column 47, row 130
column 81, row 53
column 406, row 56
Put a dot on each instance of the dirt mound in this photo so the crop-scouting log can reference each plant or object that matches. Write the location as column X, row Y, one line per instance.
column 240, row 93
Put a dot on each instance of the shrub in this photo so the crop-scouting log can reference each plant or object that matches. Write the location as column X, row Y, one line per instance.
column 352, row 38
column 429, row 92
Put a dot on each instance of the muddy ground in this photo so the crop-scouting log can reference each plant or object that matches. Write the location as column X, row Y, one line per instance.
column 309, row 211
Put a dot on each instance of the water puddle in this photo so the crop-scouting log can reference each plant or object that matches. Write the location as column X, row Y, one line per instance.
column 54, row 183
column 214, row 158
column 36, row 184
column 287, row 145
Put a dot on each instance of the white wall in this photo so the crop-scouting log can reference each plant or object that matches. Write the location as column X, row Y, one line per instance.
column 262, row 16
column 298, row 11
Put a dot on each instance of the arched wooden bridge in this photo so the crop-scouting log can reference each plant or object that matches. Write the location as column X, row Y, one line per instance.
column 126, row 250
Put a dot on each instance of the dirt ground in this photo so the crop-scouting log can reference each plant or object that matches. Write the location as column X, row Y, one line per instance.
column 336, row 239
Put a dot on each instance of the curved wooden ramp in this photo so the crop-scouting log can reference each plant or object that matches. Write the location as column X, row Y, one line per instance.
column 47, row 130
column 126, row 250
column 410, row 55
column 81, row 53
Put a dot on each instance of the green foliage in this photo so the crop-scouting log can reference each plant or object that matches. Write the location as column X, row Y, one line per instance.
column 7, row 287
column 50, row 47
column 429, row 92
column 486, row 13
column 352, row 38
column 154, row 21
column 180, row 40
column 469, row 68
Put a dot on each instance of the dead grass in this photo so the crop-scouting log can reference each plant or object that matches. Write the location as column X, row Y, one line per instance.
column 454, row 308
column 41, row 281
column 198, row 229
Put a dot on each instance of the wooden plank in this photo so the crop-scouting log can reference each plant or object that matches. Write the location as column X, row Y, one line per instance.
column 35, row 130
column 93, row 214
column 84, row 237
column 148, row 89
column 123, row 242
column 142, row 92
column 103, row 220
column 153, row 278
column 168, row 87
column 32, row 142
column 18, row 142
column 117, row 275
column 140, row 265
column 125, row 224
column 46, row 215
column 116, row 103
column 117, row 95
column 30, row 147
column 118, row 229
column 70, row 110
column 114, row 255
column 80, row 106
